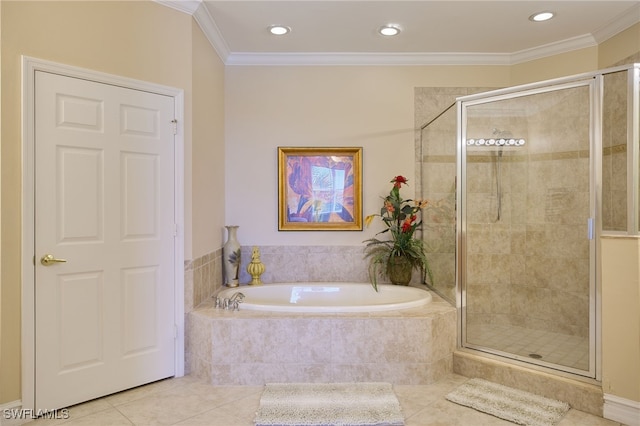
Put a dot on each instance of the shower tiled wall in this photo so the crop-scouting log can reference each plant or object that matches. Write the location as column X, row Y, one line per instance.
column 436, row 164
column 614, row 153
column 514, row 277
column 528, row 255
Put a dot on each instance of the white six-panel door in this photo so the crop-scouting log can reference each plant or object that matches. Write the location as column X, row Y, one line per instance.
column 104, row 211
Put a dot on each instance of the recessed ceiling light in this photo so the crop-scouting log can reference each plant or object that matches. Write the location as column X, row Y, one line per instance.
column 279, row 29
column 541, row 16
column 389, row 30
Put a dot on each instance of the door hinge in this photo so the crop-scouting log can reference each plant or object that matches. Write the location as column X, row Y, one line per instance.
column 175, row 229
column 175, row 332
column 174, row 122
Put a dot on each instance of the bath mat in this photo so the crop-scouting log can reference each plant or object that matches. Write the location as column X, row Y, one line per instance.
column 510, row 404
column 329, row 404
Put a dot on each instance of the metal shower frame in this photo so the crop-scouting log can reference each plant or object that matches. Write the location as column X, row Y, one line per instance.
column 595, row 82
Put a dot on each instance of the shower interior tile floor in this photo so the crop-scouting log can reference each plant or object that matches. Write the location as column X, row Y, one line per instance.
column 189, row 401
column 556, row 348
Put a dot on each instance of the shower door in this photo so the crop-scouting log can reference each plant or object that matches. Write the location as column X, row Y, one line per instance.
column 526, row 210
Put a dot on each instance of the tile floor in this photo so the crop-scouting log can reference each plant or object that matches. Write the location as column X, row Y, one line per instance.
column 556, row 348
column 188, row 401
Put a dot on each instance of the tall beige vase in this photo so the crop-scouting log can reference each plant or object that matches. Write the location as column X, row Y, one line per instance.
column 231, row 257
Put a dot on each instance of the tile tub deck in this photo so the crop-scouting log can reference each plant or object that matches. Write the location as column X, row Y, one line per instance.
column 411, row 346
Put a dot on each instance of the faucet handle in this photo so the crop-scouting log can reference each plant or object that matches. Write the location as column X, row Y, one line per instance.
column 237, row 296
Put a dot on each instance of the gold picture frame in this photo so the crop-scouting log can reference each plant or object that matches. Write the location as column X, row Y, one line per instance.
column 319, row 189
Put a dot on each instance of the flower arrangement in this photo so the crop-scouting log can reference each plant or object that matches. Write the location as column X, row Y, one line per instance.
column 401, row 220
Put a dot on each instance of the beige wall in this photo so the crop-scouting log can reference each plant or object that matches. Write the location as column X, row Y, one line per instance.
column 207, row 161
column 570, row 63
column 618, row 48
column 141, row 40
column 371, row 107
column 621, row 316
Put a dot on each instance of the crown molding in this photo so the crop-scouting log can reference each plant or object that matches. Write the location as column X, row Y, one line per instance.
column 212, row 32
column 184, row 6
column 551, row 49
column 617, row 25
column 203, row 18
column 367, row 59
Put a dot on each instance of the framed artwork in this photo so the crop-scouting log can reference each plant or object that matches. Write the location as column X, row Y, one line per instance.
column 319, row 189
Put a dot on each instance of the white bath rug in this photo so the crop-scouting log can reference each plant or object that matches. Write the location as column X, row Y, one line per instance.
column 510, row 404
column 329, row 404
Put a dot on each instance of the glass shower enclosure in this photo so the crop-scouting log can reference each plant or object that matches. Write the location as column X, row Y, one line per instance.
column 540, row 171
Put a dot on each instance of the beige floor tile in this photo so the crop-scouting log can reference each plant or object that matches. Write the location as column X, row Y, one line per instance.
column 72, row 413
column 146, row 390
column 445, row 413
column 414, row 398
column 165, row 408
column 244, row 408
column 188, row 401
column 579, row 418
column 110, row 417
column 224, row 394
column 215, row 417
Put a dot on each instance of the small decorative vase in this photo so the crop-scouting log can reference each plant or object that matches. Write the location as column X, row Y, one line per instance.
column 399, row 270
column 255, row 268
column 231, row 257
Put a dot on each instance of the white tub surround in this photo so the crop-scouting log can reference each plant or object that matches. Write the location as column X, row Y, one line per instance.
column 328, row 297
column 249, row 347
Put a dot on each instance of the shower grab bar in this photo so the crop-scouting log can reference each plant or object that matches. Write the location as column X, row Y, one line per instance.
column 590, row 228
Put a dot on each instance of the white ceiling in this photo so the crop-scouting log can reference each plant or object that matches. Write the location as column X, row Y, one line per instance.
column 433, row 32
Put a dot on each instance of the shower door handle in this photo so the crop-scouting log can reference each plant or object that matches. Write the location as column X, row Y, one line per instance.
column 590, row 229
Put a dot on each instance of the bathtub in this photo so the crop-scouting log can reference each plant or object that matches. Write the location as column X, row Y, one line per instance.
column 328, row 297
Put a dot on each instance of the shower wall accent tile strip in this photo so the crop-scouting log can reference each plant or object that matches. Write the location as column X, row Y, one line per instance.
column 616, row 149
column 488, row 156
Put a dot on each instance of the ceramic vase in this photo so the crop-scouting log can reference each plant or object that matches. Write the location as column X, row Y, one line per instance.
column 231, row 257
column 399, row 270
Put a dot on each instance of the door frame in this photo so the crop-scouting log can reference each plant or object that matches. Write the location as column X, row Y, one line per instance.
column 29, row 67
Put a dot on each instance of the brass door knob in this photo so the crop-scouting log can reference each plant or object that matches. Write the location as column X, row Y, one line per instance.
column 48, row 260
